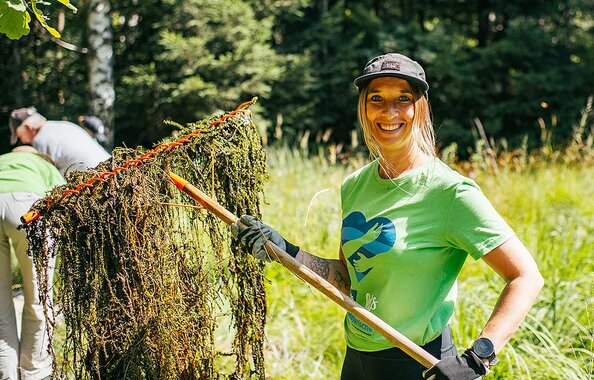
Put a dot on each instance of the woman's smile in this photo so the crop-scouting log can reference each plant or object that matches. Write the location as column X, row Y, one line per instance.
column 389, row 127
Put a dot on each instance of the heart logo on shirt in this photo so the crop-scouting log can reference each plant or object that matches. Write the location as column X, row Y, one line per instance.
column 362, row 238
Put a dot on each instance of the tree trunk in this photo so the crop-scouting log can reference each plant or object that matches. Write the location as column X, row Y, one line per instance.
column 101, row 87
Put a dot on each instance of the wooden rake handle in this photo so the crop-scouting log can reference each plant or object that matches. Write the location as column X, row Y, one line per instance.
column 307, row 275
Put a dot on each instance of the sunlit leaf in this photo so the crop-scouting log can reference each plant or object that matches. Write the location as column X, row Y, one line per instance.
column 69, row 5
column 14, row 19
column 41, row 18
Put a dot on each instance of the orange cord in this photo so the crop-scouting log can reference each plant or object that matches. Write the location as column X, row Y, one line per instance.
column 34, row 214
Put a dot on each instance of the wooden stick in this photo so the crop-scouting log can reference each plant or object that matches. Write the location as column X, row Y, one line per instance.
column 307, row 275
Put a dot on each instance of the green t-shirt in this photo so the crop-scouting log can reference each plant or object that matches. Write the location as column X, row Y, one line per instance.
column 405, row 241
column 27, row 172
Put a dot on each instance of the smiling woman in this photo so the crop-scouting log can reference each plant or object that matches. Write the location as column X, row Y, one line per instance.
column 393, row 98
column 408, row 224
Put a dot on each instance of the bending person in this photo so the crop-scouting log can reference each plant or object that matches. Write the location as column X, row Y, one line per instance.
column 67, row 144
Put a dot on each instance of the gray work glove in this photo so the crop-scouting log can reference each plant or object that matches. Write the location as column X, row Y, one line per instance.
column 465, row 367
column 255, row 235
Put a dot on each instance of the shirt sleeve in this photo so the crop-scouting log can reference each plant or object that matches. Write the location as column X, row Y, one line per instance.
column 473, row 225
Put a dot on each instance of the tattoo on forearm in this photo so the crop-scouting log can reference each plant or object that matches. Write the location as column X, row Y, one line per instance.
column 320, row 266
column 332, row 271
column 341, row 280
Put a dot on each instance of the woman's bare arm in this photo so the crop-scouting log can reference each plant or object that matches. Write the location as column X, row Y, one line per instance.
column 332, row 270
column 515, row 265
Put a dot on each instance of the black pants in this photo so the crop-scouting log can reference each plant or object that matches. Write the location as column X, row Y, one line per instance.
column 393, row 363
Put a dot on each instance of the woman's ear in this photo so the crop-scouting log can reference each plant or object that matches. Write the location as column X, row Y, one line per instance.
column 31, row 130
column 26, row 133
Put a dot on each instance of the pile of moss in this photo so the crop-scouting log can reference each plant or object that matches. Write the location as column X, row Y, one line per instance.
column 142, row 283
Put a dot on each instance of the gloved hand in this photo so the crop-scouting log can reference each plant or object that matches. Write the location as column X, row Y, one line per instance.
column 255, row 235
column 465, row 367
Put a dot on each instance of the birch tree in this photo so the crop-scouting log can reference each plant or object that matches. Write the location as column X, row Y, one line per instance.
column 100, row 61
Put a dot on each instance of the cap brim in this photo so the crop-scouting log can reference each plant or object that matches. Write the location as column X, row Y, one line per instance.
column 13, row 135
column 364, row 79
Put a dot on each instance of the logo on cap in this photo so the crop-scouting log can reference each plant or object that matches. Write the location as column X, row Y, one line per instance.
column 391, row 65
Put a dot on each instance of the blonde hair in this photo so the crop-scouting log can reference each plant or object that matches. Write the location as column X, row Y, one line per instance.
column 422, row 129
column 30, row 149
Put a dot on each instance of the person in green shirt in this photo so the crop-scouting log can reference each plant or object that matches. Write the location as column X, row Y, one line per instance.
column 408, row 224
column 25, row 176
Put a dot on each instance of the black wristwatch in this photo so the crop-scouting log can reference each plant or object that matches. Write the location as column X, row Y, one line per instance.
column 484, row 349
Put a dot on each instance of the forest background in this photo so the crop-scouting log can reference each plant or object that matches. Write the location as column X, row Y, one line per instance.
column 516, row 67
column 520, row 72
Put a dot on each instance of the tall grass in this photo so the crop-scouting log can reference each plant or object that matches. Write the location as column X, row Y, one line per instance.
column 551, row 210
column 549, row 205
column 305, row 335
column 546, row 199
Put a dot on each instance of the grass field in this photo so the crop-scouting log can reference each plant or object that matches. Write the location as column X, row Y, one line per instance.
column 549, row 206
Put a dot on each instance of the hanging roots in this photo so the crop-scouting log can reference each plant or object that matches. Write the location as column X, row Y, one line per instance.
column 147, row 289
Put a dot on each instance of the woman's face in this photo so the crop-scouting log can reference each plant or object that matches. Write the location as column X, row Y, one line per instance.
column 390, row 111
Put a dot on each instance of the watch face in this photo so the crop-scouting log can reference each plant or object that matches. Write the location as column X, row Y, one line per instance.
column 483, row 348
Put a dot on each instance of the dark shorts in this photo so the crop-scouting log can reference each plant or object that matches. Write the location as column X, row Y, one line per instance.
column 393, row 363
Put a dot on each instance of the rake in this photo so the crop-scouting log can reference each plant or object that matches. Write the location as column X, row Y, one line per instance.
column 310, row 277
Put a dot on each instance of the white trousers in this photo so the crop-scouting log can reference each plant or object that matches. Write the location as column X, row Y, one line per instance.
column 27, row 356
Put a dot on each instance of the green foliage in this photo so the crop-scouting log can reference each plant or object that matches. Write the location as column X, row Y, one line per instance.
column 326, row 48
column 509, row 64
column 204, row 56
column 222, row 52
column 14, row 17
column 480, row 61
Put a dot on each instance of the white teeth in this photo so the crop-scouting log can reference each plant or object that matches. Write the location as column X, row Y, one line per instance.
column 389, row 126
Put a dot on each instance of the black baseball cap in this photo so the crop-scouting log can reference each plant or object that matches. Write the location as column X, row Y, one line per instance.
column 393, row 65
